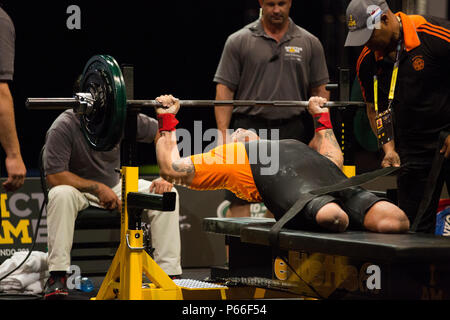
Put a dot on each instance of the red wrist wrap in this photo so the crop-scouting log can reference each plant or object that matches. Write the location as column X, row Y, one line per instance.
column 322, row 121
column 167, row 122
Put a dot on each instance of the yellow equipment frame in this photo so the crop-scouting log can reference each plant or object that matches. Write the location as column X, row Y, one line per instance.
column 124, row 278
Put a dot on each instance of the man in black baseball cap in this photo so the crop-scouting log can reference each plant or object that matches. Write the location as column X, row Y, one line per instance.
column 403, row 71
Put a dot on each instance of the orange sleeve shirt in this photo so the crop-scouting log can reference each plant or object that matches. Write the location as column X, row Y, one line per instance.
column 225, row 167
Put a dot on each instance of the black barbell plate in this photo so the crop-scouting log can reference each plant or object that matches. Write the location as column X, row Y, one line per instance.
column 103, row 127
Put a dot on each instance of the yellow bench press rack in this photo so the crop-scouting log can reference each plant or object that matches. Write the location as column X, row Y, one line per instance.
column 123, row 280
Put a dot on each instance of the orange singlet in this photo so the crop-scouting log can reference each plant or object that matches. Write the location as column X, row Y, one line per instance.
column 225, row 167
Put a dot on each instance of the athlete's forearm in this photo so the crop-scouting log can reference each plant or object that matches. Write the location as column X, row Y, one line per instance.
column 324, row 140
column 325, row 143
column 173, row 169
column 166, row 153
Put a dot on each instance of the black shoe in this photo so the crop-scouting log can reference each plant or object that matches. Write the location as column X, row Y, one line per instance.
column 56, row 287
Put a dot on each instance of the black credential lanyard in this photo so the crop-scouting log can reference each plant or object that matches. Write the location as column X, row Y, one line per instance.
column 384, row 121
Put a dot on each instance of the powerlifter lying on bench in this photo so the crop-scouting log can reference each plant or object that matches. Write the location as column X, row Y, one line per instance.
column 301, row 168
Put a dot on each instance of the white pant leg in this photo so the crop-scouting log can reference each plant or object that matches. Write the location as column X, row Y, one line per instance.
column 64, row 203
column 165, row 232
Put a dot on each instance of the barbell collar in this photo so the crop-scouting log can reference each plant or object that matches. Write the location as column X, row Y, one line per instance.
column 52, row 103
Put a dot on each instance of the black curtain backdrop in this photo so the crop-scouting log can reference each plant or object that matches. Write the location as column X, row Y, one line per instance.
column 175, row 47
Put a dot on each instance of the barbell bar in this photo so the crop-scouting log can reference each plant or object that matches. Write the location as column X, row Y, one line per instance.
column 67, row 103
column 102, row 106
column 244, row 103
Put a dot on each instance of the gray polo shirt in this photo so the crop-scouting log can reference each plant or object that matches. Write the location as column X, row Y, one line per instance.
column 67, row 150
column 7, row 43
column 256, row 67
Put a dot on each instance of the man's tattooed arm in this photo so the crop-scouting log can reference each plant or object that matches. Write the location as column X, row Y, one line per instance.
column 173, row 169
column 183, row 165
column 326, row 144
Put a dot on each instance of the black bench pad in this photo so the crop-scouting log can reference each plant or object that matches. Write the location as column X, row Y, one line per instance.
column 233, row 226
column 411, row 247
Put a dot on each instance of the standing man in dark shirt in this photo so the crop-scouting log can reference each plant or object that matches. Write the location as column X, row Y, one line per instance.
column 270, row 59
column 416, row 49
column 8, row 135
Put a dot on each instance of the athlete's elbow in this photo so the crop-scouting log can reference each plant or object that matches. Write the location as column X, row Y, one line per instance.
column 340, row 161
column 166, row 173
column 337, row 159
column 169, row 175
